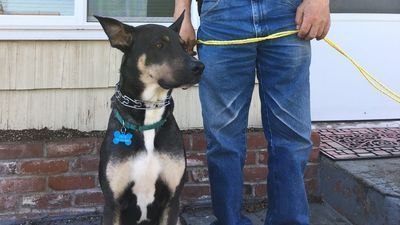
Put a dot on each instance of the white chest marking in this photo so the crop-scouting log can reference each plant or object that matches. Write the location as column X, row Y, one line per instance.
column 149, row 140
column 151, row 116
column 145, row 171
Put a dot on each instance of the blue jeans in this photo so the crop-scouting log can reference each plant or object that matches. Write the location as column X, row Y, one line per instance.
column 282, row 68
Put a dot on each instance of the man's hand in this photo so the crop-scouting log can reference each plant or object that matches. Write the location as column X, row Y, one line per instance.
column 313, row 19
column 187, row 31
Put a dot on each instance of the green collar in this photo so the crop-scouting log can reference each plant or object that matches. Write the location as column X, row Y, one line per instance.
column 136, row 127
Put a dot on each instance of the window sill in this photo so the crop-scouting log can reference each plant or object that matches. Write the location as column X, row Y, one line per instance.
column 57, row 32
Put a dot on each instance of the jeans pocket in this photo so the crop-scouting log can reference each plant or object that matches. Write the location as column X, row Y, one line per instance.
column 208, row 6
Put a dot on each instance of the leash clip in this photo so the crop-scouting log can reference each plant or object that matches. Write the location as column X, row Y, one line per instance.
column 123, row 128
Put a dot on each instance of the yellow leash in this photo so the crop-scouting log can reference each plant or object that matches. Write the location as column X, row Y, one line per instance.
column 370, row 78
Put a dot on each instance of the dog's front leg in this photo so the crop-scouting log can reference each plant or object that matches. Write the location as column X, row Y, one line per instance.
column 171, row 213
column 110, row 214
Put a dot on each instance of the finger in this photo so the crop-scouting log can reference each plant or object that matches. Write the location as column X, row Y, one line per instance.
column 304, row 29
column 326, row 30
column 299, row 17
column 323, row 32
column 191, row 44
column 320, row 32
column 313, row 32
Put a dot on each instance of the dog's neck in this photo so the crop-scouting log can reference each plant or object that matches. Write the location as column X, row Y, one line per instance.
column 152, row 103
column 154, row 93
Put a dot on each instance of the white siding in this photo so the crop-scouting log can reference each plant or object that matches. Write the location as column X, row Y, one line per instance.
column 69, row 84
column 58, row 64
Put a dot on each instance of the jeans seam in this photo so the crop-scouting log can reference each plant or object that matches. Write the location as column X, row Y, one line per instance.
column 254, row 22
column 265, row 105
column 215, row 4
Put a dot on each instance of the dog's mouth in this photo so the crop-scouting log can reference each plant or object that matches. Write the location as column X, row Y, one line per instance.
column 184, row 85
column 187, row 86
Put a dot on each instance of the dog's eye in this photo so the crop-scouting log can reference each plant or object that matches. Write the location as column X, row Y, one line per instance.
column 159, row 45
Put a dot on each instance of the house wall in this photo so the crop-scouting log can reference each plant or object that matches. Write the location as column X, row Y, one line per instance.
column 57, row 84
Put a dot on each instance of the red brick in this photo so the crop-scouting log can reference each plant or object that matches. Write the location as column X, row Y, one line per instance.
column 47, row 201
column 8, row 168
column 311, row 171
column 199, row 175
column 187, row 141
column 314, row 155
column 250, row 158
column 199, row 141
column 255, row 173
column 196, row 159
column 263, row 157
column 44, row 166
column 8, row 203
column 90, row 198
column 195, row 191
column 19, row 151
column 98, row 141
column 71, row 182
column 260, row 190
column 86, row 164
column 256, row 140
column 311, row 186
column 315, row 138
column 21, row 185
column 76, row 147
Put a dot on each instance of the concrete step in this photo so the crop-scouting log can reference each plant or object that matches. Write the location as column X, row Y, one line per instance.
column 366, row 192
column 320, row 214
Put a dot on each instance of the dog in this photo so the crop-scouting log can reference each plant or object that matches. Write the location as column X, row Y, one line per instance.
column 142, row 158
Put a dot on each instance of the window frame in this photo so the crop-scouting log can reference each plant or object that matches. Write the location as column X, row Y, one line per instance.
column 76, row 27
column 42, row 27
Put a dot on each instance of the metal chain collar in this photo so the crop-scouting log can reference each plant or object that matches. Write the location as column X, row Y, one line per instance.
column 138, row 104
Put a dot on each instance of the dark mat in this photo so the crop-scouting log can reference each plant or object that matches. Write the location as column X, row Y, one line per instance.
column 356, row 143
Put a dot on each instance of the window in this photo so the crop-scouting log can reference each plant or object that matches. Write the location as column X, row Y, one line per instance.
column 80, row 12
column 132, row 11
column 365, row 6
column 73, row 19
column 37, row 7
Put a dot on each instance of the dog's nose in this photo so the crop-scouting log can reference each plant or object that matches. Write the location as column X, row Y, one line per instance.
column 197, row 68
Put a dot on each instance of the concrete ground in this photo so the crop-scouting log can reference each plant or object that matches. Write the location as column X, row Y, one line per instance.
column 321, row 214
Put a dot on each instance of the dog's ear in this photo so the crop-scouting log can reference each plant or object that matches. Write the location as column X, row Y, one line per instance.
column 119, row 34
column 176, row 26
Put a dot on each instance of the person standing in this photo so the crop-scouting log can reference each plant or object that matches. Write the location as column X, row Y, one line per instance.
column 282, row 68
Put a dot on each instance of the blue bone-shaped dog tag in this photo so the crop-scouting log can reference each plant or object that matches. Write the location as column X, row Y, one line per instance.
column 120, row 137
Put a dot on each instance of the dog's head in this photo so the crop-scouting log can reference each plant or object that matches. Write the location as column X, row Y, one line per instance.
column 155, row 52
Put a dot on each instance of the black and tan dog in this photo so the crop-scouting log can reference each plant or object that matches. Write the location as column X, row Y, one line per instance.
column 142, row 159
